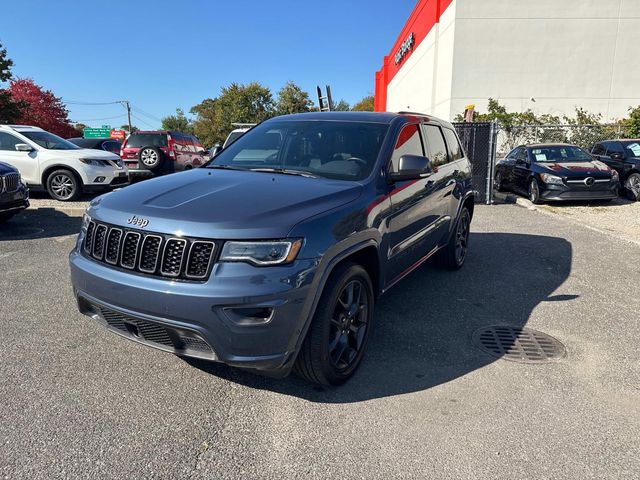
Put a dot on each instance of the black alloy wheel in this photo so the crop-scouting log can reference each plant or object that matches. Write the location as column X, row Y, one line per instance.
column 632, row 186
column 338, row 335
column 498, row 182
column 462, row 237
column 534, row 191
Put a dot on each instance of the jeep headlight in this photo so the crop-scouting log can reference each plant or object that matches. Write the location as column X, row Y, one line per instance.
column 261, row 253
column 86, row 219
column 551, row 179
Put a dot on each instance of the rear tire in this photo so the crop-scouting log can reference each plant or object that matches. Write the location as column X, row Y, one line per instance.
column 64, row 185
column 338, row 335
column 151, row 158
column 632, row 187
column 453, row 255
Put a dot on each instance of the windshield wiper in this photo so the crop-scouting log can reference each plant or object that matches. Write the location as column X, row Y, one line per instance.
column 226, row 167
column 285, row 171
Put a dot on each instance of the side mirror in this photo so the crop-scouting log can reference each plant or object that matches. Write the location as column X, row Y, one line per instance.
column 616, row 156
column 411, row 167
column 23, row 147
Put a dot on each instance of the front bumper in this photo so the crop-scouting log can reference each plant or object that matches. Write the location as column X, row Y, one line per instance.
column 13, row 202
column 162, row 313
column 578, row 192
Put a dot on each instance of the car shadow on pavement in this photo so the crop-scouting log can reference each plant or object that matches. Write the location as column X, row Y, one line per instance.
column 32, row 224
column 423, row 326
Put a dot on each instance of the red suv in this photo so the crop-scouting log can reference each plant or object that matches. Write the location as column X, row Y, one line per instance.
column 158, row 152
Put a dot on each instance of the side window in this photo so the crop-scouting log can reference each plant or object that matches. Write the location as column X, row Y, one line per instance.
column 512, row 154
column 598, row 149
column 436, row 146
column 454, row 144
column 8, row 142
column 521, row 154
column 615, row 147
column 113, row 147
column 408, row 143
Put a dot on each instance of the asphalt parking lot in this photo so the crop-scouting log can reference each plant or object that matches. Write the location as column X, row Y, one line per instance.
column 79, row 402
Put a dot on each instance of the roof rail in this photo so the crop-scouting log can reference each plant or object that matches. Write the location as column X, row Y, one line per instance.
column 20, row 126
column 243, row 125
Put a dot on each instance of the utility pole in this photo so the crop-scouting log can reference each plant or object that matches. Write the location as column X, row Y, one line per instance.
column 125, row 104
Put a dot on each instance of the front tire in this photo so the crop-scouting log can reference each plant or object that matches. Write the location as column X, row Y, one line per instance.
column 338, row 335
column 63, row 185
column 499, row 182
column 632, row 187
column 534, row 192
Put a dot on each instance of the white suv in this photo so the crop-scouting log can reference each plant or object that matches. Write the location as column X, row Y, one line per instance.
column 65, row 170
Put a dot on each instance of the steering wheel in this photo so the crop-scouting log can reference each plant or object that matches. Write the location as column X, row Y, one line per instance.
column 359, row 161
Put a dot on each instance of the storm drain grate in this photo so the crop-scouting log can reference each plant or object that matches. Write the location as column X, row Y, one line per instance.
column 518, row 344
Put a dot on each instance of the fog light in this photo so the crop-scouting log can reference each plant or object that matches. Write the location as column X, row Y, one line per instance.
column 250, row 316
column 99, row 179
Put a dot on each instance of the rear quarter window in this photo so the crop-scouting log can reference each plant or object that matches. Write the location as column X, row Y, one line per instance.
column 147, row 139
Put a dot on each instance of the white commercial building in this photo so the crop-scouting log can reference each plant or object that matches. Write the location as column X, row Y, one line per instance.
column 550, row 56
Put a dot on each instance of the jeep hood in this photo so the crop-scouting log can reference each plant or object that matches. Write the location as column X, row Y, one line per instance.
column 224, row 204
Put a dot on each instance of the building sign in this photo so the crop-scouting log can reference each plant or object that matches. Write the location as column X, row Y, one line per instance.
column 405, row 48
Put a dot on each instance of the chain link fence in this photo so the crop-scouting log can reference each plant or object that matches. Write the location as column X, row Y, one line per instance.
column 479, row 142
column 581, row 135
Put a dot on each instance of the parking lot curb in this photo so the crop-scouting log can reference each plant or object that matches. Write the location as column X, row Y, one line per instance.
column 68, row 211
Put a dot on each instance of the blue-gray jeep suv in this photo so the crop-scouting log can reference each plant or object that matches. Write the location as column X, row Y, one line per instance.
column 271, row 256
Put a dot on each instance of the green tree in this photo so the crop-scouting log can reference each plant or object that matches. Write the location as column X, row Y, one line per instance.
column 10, row 110
column 632, row 124
column 251, row 103
column 364, row 105
column 292, row 99
column 178, row 122
column 125, row 127
column 341, row 106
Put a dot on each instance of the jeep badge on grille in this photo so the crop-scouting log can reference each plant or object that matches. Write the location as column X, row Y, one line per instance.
column 139, row 222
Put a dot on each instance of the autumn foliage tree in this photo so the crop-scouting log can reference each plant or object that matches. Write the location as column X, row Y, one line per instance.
column 42, row 108
column 10, row 109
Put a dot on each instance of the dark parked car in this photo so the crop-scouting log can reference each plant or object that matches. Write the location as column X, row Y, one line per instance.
column 272, row 256
column 158, row 152
column 624, row 157
column 556, row 172
column 106, row 144
column 14, row 195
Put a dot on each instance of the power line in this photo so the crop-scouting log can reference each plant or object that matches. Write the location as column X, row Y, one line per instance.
column 72, row 102
column 143, row 121
column 146, row 114
column 103, row 118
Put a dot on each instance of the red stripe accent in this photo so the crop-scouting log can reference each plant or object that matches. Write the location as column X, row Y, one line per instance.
column 424, row 17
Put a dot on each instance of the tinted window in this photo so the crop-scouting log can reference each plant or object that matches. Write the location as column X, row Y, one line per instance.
column 598, row 149
column 614, row 147
column 436, row 147
column 111, row 146
column 454, row 144
column 408, row 143
column 8, row 142
column 49, row 141
column 147, row 139
column 233, row 136
column 339, row 150
column 521, row 154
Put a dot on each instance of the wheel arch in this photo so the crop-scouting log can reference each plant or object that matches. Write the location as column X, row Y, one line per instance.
column 51, row 168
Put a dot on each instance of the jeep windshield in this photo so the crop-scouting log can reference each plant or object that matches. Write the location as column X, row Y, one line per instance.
column 329, row 149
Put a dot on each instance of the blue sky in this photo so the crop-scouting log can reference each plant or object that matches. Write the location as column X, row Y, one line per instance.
column 161, row 55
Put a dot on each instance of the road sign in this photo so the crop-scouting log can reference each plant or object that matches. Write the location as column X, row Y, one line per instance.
column 96, row 132
column 117, row 134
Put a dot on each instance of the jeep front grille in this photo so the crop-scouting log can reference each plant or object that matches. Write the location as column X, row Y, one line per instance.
column 149, row 253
